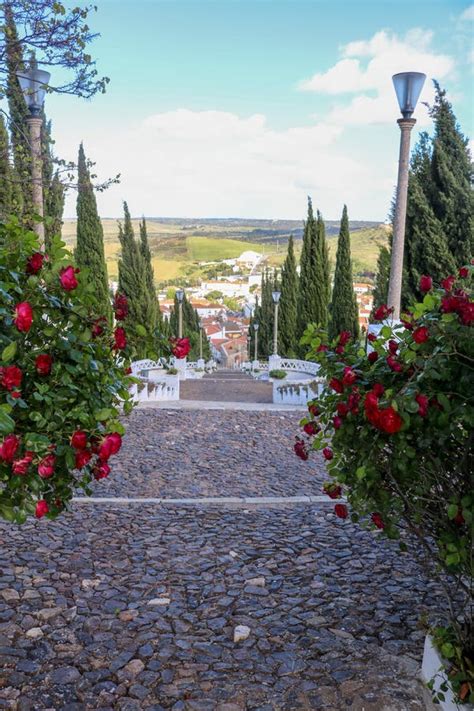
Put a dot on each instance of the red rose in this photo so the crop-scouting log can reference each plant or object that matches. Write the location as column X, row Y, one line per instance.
column 23, row 316
column 423, row 403
column 407, row 320
column 463, row 272
column 313, row 409
column 339, row 350
column 448, row 283
column 98, row 328
column 421, row 334
column 459, row 518
column 311, row 428
column 378, row 520
column 334, row 491
column 120, row 339
column 20, row 466
column 46, row 466
column 67, row 277
column 393, row 346
column 337, row 422
column 35, row 263
column 378, row 389
column 9, row 447
column 389, row 420
column 328, row 453
column 336, row 385
column 353, row 402
column 349, row 377
column 371, row 337
column 110, row 445
column 101, row 470
column 82, row 459
column 382, row 312
column 42, row 508
column 10, row 377
column 341, row 511
column 120, row 306
column 467, row 314
column 322, row 348
column 180, row 347
column 393, row 364
column 43, row 364
column 426, row 283
column 344, row 338
column 371, row 401
column 342, row 409
column 79, row 439
column 372, row 357
column 300, row 450
column 128, row 371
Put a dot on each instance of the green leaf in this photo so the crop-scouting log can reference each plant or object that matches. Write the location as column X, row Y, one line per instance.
column 9, row 351
column 7, row 425
column 360, row 473
column 141, row 330
column 447, row 650
column 104, row 414
column 452, row 510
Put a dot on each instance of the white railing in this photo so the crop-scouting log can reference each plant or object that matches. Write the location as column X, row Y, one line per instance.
column 299, row 366
column 138, row 366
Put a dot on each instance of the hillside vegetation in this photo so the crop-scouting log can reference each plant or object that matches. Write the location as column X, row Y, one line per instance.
column 177, row 246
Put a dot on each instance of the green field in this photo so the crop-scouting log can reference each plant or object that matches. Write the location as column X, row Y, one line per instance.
column 177, row 248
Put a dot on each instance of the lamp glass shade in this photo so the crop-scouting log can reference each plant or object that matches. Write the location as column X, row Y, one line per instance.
column 33, row 83
column 179, row 295
column 276, row 296
column 255, row 327
column 408, row 86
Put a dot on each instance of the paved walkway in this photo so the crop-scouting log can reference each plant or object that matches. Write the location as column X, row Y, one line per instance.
column 227, row 386
column 134, row 605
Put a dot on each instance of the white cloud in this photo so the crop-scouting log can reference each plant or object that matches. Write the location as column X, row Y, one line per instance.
column 214, row 163
column 468, row 14
column 366, row 69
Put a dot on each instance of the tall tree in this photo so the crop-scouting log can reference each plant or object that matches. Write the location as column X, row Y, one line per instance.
column 191, row 328
column 154, row 313
column 344, row 311
column 452, row 174
column 322, row 274
column 53, row 189
column 380, row 293
column 18, row 110
column 6, row 188
column 90, row 236
column 307, row 285
column 288, row 303
column 132, row 281
column 428, row 252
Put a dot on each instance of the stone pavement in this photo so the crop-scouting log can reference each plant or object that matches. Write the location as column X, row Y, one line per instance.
column 135, row 606
column 227, row 385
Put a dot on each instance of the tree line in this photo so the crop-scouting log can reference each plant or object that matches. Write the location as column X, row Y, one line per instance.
column 307, row 298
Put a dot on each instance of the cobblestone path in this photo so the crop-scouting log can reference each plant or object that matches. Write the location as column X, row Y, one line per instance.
column 227, row 386
column 134, row 606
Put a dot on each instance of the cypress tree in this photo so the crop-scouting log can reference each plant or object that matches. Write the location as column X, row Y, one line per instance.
column 154, row 314
column 428, row 252
column 18, row 111
column 90, row 236
column 321, row 275
column 307, row 284
column 380, row 293
column 132, row 280
column 6, row 191
column 191, row 329
column 288, row 303
column 344, row 311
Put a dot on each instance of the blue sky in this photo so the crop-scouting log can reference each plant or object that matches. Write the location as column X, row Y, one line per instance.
column 241, row 108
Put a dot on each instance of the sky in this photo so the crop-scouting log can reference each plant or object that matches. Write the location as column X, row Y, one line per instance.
column 242, row 108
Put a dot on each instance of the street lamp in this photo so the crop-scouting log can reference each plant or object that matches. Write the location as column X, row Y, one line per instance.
column 276, row 299
column 255, row 328
column 33, row 83
column 408, row 86
column 180, row 297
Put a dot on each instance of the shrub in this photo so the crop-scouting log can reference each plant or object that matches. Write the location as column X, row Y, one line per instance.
column 396, row 428
column 277, row 374
column 172, row 371
column 63, row 379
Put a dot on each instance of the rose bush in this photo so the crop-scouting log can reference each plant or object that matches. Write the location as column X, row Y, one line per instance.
column 395, row 426
column 63, row 379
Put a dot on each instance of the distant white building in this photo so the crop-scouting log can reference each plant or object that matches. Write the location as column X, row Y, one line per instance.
column 227, row 288
column 248, row 259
